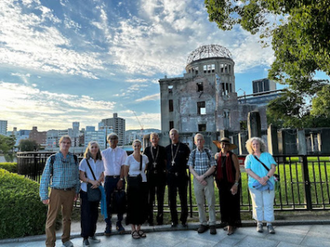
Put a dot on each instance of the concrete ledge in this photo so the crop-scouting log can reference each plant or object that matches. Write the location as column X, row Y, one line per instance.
column 166, row 228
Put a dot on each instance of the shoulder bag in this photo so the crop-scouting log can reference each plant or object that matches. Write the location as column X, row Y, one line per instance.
column 93, row 195
column 276, row 177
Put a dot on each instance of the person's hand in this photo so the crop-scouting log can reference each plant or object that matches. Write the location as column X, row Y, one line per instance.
column 95, row 184
column 263, row 181
column 76, row 197
column 204, row 183
column 120, row 184
column 46, row 202
column 200, row 178
column 234, row 189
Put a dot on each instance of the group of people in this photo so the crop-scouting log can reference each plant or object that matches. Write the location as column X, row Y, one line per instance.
column 146, row 176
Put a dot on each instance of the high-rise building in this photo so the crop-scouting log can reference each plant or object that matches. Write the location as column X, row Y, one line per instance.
column 3, row 127
column 75, row 128
column 117, row 125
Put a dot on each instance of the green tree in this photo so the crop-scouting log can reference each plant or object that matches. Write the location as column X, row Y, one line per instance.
column 7, row 143
column 321, row 103
column 299, row 32
column 28, row 145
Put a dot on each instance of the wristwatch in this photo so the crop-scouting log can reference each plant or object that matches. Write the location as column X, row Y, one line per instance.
column 121, row 179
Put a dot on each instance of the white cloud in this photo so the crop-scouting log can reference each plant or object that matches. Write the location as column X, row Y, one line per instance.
column 29, row 42
column 56, row 110
column 137, row 80
column 162, row 35
column 149, row 98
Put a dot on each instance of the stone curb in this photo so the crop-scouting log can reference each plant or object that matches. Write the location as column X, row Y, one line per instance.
column 167, row 228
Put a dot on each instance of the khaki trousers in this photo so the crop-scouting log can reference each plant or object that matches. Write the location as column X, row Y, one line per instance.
column 206, row 192
column 59, row 199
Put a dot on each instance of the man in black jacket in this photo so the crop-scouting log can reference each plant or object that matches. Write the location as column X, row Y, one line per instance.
column 177, row 154
column 156, row 178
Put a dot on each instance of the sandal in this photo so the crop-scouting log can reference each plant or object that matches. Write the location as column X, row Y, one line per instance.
column 135, row 235
column 231, row 230
column 142, row 234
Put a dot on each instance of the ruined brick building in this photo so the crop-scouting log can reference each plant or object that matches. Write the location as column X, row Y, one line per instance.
column 205, row 98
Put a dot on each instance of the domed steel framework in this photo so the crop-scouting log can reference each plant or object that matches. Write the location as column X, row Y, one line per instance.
column 208, row 51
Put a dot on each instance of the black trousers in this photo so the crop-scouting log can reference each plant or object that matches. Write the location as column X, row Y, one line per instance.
column 156, row 186
column 110, row 185
column 178, row 184
column 89, row 215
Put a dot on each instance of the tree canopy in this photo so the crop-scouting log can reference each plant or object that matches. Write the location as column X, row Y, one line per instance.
column 28, row 145
column 299, row 32
column 7, row 143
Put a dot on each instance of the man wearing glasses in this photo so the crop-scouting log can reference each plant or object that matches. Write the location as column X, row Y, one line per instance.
column 113, row 159
column 61, row 174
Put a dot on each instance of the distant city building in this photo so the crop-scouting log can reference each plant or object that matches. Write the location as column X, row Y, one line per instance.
column 116, row 124
column 263, row 85
column 52, row 138
column 19, row 135
column 3, row 127
column 98, row 136
column 75, row 129
column 39, row 137
column 90, row 128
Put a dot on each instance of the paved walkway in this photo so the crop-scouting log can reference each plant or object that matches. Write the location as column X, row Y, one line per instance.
column 288, row 234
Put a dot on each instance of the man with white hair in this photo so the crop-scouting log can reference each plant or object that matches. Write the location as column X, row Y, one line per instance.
column 202, row 165
column 156, row 173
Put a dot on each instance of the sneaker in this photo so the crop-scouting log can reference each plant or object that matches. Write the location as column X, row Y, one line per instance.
column 94, row 239
column 85, row 242
column 213, row 230
column 120, row 227
column 202, row 228
column 270, row 229
column 260, row 227
column 68, row 244
column 107, row 231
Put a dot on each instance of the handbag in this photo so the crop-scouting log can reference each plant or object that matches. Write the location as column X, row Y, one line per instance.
column 276, row 176
column 135, row 181
column 118, row 202
column 93, row 195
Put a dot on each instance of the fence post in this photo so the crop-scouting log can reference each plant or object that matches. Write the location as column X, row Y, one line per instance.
column 190, row 194
column 307, row 184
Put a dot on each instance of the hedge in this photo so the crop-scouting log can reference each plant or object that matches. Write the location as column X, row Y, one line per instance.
column 22, row 212
column 9, row 166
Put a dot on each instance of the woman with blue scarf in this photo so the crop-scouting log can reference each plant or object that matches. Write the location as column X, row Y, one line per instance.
column 261, row 182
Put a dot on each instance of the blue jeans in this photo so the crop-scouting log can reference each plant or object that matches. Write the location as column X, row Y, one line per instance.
column 110, row 185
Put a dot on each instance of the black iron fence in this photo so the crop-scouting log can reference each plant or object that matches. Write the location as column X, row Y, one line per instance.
column 304, row 181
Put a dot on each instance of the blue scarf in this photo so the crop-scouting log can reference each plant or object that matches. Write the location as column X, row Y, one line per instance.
column 103, row 203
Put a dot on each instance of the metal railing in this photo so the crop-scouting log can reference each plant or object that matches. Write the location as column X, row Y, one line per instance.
column 304, row 181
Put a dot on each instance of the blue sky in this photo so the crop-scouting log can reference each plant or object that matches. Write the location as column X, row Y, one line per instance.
column 66, row 60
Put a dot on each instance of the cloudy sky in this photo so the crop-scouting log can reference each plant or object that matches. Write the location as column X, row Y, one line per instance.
column 66, row 60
